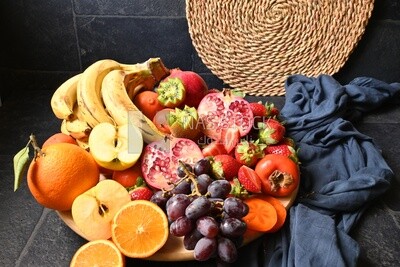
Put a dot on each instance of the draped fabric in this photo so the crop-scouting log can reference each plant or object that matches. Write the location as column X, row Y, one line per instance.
column 342, row 171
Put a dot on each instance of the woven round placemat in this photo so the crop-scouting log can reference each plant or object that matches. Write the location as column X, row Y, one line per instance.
column 254, row 45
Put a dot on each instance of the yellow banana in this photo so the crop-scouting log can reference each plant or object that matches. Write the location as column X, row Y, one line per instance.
column 154, row 65
column 121, row 107
column 63, row 127
column 83, row 143
column 64, row 98
column 88, row 94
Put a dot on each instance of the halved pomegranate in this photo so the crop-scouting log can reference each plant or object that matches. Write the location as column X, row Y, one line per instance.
column 160, row 160
column 224, row 110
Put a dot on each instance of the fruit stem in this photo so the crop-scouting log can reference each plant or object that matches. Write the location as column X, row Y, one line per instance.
column 38, row 151
column 192, row 178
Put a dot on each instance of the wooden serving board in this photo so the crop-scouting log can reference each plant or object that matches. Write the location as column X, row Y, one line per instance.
column 173, row 250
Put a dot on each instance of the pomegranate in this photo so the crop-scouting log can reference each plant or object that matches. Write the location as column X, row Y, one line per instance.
column 160, row 120
column 194, row 85
column 219, row 111
column 160, row 160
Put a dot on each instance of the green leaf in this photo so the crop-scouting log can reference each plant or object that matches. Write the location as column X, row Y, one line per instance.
column 20, row 160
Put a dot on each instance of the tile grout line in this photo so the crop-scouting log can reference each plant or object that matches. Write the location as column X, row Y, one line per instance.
column 24, row 251
column 392, row 214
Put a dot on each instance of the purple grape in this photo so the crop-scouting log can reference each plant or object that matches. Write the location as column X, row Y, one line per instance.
column 180, row 171
column 176, row 206
column 202, row 166
column 235, row 207
column 233, row 227
column 205, row 249
column 190, row 240
column 203, row 181
column 226, row 249
column 199, row 207
column 207, row 226
column 181, row 226
column 182, row 188
column 219, row 188
column 160, row 199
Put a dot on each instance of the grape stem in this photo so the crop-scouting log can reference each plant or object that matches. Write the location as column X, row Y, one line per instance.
column 189, row 177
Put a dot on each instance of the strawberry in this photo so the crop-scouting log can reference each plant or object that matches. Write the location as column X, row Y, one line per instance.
column 237, row 189
column 282, row 149
column 249, row 179
column 259, row 111
column 142, row 192
column 270, row 110
column 214, row 148
column 288, row 141
column 230, row 138
column 225, row 167
column 271, row 131
column 248, row 153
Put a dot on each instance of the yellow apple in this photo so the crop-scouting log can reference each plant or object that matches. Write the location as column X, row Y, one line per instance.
column 93, row 210
column 115, row 147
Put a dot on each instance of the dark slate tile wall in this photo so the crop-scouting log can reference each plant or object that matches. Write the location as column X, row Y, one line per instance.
column 46, row 42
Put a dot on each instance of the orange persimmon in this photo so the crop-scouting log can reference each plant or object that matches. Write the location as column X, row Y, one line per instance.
column 262, row 215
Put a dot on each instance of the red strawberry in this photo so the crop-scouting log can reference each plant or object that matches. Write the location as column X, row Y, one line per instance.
column 287, row 141
column 142, row 192
column 271, row 110
column 225, row 167
column 248, row 153
column 271, row 131
column 282, row 149
column 259, row 111
column 249, row 179
column 230, row 138
column 238, row 190
column 214, row 148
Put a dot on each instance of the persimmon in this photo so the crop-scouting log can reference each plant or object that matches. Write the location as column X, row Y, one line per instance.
column 279, row 175
column 148, row 103
column 262, row 215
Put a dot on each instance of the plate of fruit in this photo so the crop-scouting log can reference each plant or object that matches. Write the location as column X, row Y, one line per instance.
column 167, row 168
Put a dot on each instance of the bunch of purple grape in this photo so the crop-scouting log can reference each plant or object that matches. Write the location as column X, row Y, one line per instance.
column 201, row 210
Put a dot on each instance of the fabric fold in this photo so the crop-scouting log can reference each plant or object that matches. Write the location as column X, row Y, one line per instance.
column 342, row 170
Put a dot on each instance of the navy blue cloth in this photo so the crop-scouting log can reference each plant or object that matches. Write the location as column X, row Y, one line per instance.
column 342, row 170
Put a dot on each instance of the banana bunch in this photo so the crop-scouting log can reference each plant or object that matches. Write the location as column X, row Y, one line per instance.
column 103, row 92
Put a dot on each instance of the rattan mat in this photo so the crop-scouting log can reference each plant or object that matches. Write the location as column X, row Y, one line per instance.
column 255, row 45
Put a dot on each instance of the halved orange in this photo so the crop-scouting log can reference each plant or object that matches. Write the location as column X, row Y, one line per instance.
column 140, row 229
column 98, row 253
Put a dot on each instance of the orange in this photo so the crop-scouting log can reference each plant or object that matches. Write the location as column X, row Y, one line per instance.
column 139, row 229
column 59, row 138
column 128, row 177
column 61, row 173
column 98, row 253
column 148, row 103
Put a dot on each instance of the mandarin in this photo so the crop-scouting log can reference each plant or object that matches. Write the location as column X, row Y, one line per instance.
column 140, row 229
column 60, row 173
column 59, row 138
column 98, row 253
column 128, row 177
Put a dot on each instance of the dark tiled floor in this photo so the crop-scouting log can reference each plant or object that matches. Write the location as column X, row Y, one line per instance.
column 33, row 236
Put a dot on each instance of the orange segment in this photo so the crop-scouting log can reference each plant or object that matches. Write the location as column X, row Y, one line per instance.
column 101, row 253
column 140, row 229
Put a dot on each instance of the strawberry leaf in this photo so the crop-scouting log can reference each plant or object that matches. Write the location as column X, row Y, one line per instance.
column 20, row 161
